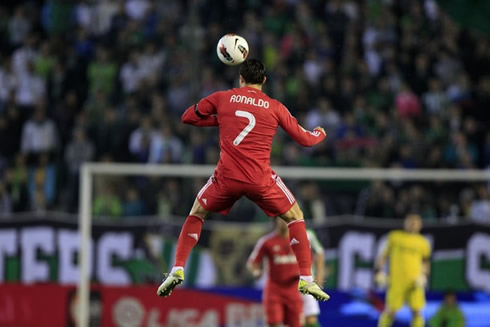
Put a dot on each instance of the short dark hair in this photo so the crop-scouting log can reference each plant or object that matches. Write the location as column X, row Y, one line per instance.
column 252, row 71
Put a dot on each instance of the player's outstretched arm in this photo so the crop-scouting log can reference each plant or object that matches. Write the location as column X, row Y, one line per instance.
column 203, row 113
column 254, row 262
column 193, row 117
column 298, row 133
column 318, row 257
column 380, row 277
column 319, row 262
column 254, row 269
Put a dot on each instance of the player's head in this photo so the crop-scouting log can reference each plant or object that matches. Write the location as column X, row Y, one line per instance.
column 413, row 223
column 252, row 72
column 280, row 226
column 450, row 299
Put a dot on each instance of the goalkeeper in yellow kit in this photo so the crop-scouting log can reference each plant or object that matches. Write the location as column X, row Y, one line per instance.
column 408, row 253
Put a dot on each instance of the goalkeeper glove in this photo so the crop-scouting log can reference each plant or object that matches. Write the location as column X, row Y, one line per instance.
column 421, row 281
column 381, row 278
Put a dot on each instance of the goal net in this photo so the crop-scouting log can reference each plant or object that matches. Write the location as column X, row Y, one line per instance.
column 123, row 193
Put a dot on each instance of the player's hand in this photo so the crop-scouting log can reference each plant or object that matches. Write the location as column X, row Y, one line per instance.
column 257, row 273
column 381, row 279
column 321, row 129
column 421, row 281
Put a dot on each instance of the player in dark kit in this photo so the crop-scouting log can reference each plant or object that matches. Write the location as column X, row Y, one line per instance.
column 282, row 302
column 247, row 121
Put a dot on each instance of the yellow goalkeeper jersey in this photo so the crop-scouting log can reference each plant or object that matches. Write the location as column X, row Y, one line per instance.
column 406, row 252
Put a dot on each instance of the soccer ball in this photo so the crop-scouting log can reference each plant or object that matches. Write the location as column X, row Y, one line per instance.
column 232, row 49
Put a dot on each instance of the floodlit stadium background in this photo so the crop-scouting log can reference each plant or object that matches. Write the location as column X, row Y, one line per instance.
column 396, row 84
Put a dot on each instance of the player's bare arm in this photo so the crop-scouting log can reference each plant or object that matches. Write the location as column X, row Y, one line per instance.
column 380, row 277
column 426, row 266
column 381, row 261
column 423, row 278
column 319, row 262
column 382, row 258
column 254, row 269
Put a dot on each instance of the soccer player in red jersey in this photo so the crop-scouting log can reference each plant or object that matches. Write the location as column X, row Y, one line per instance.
column 247, row 120
column 281, row 299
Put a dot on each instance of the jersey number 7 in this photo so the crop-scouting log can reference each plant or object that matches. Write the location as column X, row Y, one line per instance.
column 247, row 129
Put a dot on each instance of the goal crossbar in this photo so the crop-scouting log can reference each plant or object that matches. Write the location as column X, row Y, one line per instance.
column 319, row 173
column 88, row 170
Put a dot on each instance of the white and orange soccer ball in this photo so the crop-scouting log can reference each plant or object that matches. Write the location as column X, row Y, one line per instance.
column 232, row 49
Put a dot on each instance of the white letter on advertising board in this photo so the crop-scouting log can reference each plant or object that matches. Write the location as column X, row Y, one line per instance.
column 477, row 249
column 8, row 247
column 355, row 245
column 33, row 239
column 109, row 246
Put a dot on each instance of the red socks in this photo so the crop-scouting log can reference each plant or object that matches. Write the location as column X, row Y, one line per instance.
column 191, row 231
column 301, row 246
column 189, row 235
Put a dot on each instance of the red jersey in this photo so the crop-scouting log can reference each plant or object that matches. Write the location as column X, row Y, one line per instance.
column 283, row 269
column 247, row 120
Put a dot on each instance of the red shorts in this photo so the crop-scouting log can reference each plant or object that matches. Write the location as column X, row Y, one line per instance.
column 272, row 196
column 283, row 306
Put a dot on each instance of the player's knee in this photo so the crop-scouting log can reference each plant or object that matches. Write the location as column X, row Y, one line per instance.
column 416, row 313
column 293, row 214
column 390, row 313
column 311, row 321
column 198, row 210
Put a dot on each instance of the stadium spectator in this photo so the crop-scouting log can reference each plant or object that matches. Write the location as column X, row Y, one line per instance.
column 102, row 72
column 486, row 151
column 39, row 133
column 8, row 83
column 19, row 26
column 164, row 146
column 107, row 203
column 323, row 115
column 30, row 88
column 459, row 153
column 139, row 140
column 42, row 183
column 151, row 61
column 407, row 103
column 44, row 63
column 16, row 182
column 480, row 207
column 396, row 83
column 104, row 11
column 136, row 9
column 449, row 314
column 78, row 151
column 84, row 14
column 5, row 201
column 131, row 73
column 435, row 100
column 133, row 205
column 24, row 55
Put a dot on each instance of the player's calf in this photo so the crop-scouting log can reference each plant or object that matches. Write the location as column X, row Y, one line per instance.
column 386, row 319
column 417, row 319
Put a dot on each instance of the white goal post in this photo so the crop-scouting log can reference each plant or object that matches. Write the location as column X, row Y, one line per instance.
column 88, row 171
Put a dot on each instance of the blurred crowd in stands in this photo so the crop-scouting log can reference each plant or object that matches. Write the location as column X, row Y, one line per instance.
column 394, row 83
